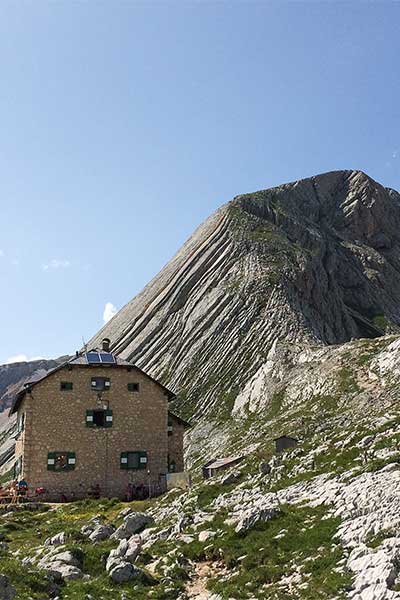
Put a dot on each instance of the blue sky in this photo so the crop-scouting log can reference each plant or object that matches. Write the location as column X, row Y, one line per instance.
column 124, row 125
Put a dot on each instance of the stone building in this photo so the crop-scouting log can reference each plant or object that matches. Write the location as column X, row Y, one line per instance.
column 283, row 442
column 96, row 422
column 217, row 465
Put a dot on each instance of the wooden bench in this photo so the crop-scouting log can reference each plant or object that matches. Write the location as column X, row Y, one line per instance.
column 13, row 498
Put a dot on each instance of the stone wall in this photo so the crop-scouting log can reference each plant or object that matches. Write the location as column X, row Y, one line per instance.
column 55, row 421
column 175, row 444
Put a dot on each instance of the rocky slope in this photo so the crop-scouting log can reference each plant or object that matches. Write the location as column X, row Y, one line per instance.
column 320, row 521
column 12, row 376
column 280, row 315
column 307, row 264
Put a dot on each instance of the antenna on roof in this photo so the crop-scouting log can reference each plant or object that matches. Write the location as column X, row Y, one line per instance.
column 84, row 344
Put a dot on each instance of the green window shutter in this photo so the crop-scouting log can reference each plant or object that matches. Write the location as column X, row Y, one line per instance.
column 89, row 418
column 124, row 460
column 51, row 459
column 108, row 418
column 71, row 461
column 142, row 460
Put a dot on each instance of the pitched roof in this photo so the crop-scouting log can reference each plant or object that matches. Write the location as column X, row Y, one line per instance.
column 186, row 424
column 81, row 361
column 222, row 462
column 287, row 437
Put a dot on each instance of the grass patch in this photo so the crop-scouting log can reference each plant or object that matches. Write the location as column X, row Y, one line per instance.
column 346, row 382
column 260, row 558
column 381, row 322
column 373, row 541
column 30, row 583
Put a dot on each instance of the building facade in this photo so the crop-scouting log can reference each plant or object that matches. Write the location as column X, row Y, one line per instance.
column 96, row 422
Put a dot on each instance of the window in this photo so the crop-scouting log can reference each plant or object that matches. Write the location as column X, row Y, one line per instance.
column 133, row 387
column 100, row 384
column 66, row 386
column 170, row 427
column 134, row 461
column 61, row 461
column 99, row 418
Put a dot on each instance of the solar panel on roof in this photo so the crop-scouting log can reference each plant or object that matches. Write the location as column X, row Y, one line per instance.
column 107, row 357
column 93, row 357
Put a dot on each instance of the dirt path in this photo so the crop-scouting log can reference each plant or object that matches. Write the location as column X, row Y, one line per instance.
column 204, row 571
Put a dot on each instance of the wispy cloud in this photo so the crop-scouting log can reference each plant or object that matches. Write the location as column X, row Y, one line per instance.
column 395, row 154
column 21, row 358
column 109, row 311
column 55, row 264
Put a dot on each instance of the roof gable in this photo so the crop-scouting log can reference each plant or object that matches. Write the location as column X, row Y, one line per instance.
column 181, row 421
column 80, row 361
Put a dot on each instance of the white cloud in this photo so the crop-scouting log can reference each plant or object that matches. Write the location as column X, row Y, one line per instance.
column 109, row 311
column 21, row 358
column 56, row 263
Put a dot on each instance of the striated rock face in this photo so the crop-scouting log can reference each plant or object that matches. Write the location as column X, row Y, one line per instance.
column 315, row 262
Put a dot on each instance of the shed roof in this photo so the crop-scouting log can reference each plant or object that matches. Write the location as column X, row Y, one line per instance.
column 285, row 437
column 81, row 361
column 222, row 462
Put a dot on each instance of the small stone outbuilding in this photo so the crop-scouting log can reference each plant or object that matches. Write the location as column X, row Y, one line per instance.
column 217, row 466
column 283, row 442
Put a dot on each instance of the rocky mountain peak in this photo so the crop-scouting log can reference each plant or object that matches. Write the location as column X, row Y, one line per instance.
column 314, row 262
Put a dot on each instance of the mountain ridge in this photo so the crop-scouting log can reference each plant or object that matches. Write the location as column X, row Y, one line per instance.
column 315, row 261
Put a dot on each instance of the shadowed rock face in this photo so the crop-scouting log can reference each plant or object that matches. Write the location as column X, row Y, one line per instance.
column 13, row 376
column 314, row 262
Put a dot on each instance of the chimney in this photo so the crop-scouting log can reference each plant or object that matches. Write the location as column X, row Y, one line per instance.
column 106, row 345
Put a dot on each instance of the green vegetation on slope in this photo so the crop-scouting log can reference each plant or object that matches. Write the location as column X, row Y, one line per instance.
column 260, row 558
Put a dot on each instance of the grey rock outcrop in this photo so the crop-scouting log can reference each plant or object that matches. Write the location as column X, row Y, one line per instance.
column 56, row 540
column 130, row 549
column 119, row 565
column 61, row 563
column 257, row 514
column 7, row 591
column 101, row 532
column 133, row 523
column 125, row 571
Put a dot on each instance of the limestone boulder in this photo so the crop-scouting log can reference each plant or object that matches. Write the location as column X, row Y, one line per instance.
column 101, row 533
column 133, row 523
column 124, row 571
column 64, row 571
column 56, row 540
column 249, row 518
column 130, row 548
column 206, row 535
